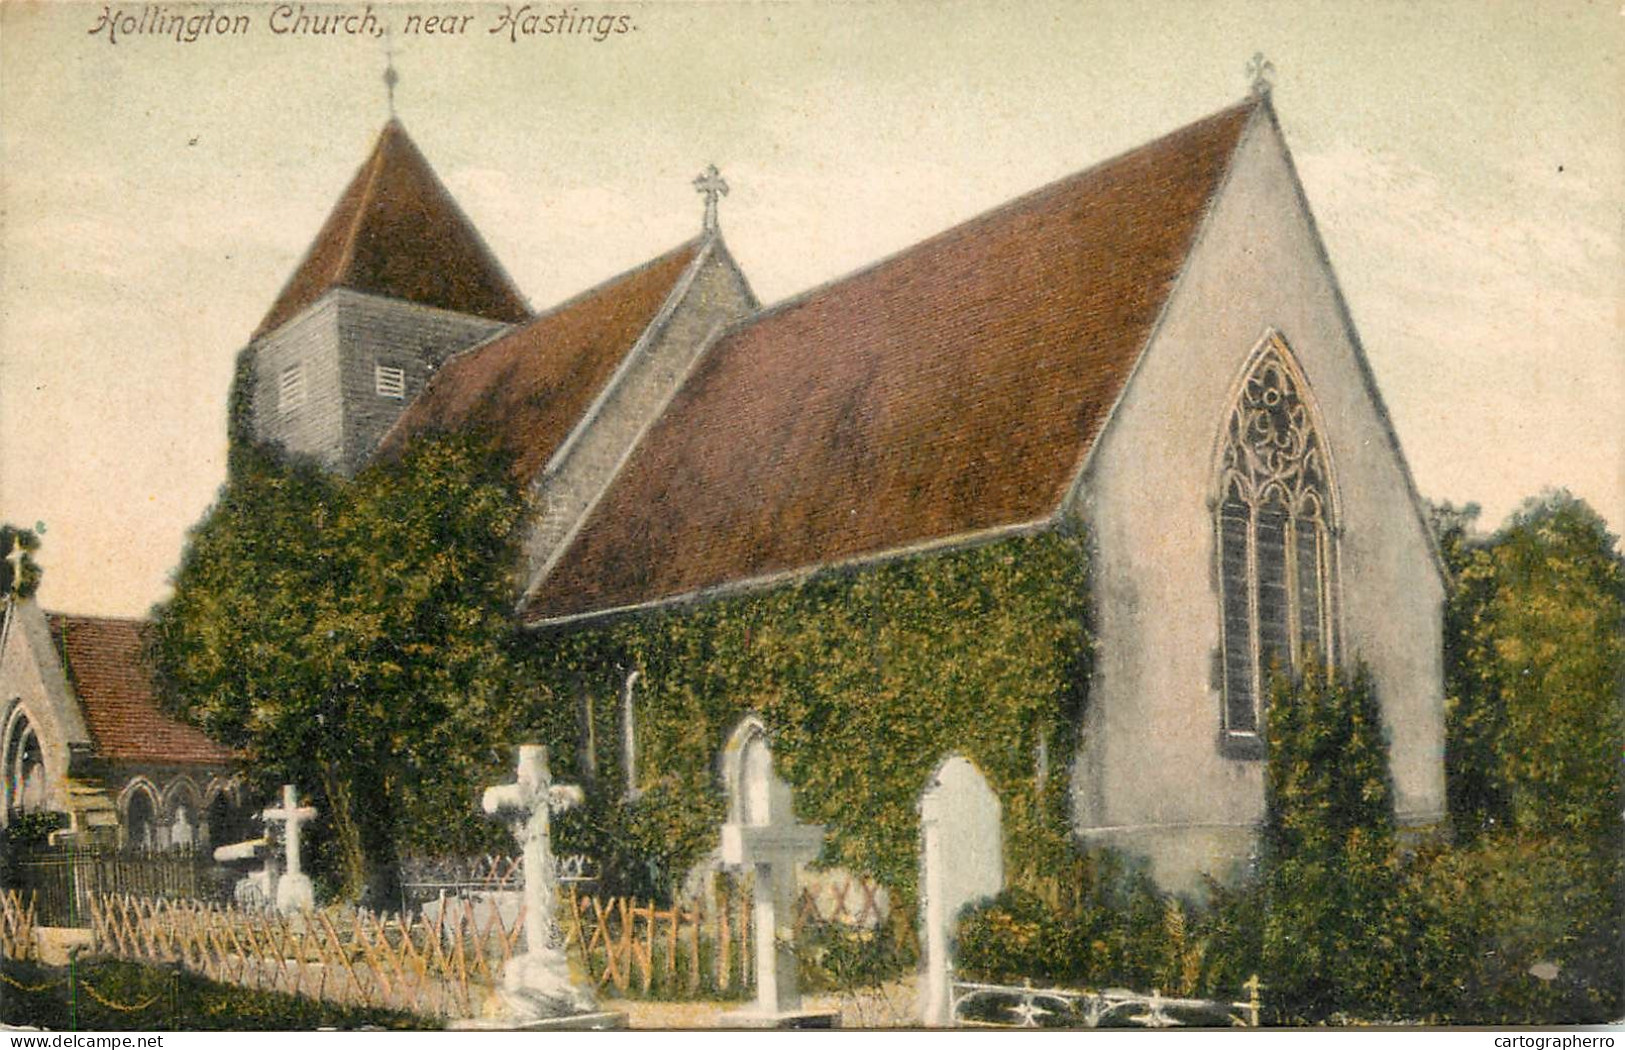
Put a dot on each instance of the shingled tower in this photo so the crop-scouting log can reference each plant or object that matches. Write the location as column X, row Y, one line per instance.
column 396, row 281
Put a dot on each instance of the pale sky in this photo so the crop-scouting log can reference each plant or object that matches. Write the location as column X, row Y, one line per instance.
column 1465, row 161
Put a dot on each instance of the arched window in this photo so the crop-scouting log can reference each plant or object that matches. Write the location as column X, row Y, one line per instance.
column 140, row 818
column 1274, row 538
column 24, row 767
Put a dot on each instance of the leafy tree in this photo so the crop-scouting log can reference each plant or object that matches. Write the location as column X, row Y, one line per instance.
column 1329, row 863
column 1536, row 655
column 356, row 636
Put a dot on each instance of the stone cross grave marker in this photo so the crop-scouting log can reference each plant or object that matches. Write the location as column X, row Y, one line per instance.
column 762, row 835
column 537, row 985
column 961, row 860
column 294, row 892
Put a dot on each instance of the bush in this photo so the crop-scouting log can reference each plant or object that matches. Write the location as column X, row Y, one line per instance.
column 1509, row 932
column 1119, row 931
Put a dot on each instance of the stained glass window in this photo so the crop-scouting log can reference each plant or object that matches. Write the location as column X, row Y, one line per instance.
column 1274, row 539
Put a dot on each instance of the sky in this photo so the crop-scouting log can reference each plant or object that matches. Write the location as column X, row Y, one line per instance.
column 1465, row 162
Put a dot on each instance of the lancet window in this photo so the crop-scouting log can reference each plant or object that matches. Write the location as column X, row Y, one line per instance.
column 1277, row 561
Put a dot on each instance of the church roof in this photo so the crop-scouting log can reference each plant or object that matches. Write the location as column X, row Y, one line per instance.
column 397, row 232
column 953, row 388
column 104, row 660
column 529, row 387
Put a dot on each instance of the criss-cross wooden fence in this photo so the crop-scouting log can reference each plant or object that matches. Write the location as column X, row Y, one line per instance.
column 445, row 959
column 444, row 968
column 17, row 925
column 703, row 946
column 683, row 951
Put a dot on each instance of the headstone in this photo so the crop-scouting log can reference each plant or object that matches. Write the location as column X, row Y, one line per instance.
column 537, row 991
column 961, row 860
column 762, row 836
column 180, row 830
column 294, row 892
column 256, row 889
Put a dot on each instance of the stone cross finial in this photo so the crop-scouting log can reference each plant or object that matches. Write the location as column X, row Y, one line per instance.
column 15, row 556
column 537, row 983
column 710, row 185
column 293, row 889
column 1260, row 71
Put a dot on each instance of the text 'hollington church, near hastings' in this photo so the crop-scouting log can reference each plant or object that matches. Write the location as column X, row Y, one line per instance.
column 1155, row 349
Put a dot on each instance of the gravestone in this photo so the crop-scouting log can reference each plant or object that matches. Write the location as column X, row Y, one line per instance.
column 256, row 889
column 961, row 860
column 537, row 992
column 762, row 836
column 180, row 829
column 294, row 892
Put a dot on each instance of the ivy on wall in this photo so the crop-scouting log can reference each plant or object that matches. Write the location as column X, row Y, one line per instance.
column 866, row 679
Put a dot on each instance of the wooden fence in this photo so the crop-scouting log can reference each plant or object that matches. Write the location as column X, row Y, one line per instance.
column 444, row 961
column 673, row 953
column 17, row 925
column 440, row 969
column 700, row 947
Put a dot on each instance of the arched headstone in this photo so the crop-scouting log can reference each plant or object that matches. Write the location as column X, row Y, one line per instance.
column 961, row 860
column 762, row 836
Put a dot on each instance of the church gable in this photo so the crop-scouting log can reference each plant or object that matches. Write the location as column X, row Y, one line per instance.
column 946, row 392
column 530, row 387
column 397, row 232
column 1208, row 565
column 38, row 713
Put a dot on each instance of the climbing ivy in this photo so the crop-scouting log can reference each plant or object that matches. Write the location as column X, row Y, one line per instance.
column 866, row 680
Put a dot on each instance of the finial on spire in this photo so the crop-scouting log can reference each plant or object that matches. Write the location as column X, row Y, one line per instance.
column 1261, row 71
column 391, row 78
column 710, row 185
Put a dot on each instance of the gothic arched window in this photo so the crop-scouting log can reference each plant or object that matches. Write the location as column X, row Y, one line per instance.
column 24, row 767
column 1274, row 537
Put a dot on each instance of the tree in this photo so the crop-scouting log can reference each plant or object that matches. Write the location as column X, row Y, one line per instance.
column 1535, row 646
column 1329, row 863
column 356, row 636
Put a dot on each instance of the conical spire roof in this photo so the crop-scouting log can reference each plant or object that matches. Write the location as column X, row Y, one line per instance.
column 397, row 232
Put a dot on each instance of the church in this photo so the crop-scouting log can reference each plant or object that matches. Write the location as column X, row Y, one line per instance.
column 1152, row 354
column 86, row 738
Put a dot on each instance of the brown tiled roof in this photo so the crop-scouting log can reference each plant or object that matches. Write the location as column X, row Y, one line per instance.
column 953, row 388
column 529, row 387
column 103, row 660
column 397, row 232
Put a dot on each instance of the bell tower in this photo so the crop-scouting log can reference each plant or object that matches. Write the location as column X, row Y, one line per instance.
column 396, row 281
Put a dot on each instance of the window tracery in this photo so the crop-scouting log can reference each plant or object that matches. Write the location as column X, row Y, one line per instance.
column 1274, row 528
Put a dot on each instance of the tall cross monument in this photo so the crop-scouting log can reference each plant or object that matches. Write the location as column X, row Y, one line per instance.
column 293, row 890
column 536, row 985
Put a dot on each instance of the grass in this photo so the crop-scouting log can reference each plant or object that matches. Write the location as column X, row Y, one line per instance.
column 152, row 998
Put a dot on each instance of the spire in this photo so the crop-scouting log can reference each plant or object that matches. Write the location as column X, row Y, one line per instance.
column 710, row 185
column 397, row 232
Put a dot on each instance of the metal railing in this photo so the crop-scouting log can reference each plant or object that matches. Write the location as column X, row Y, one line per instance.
column 978, row 1005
